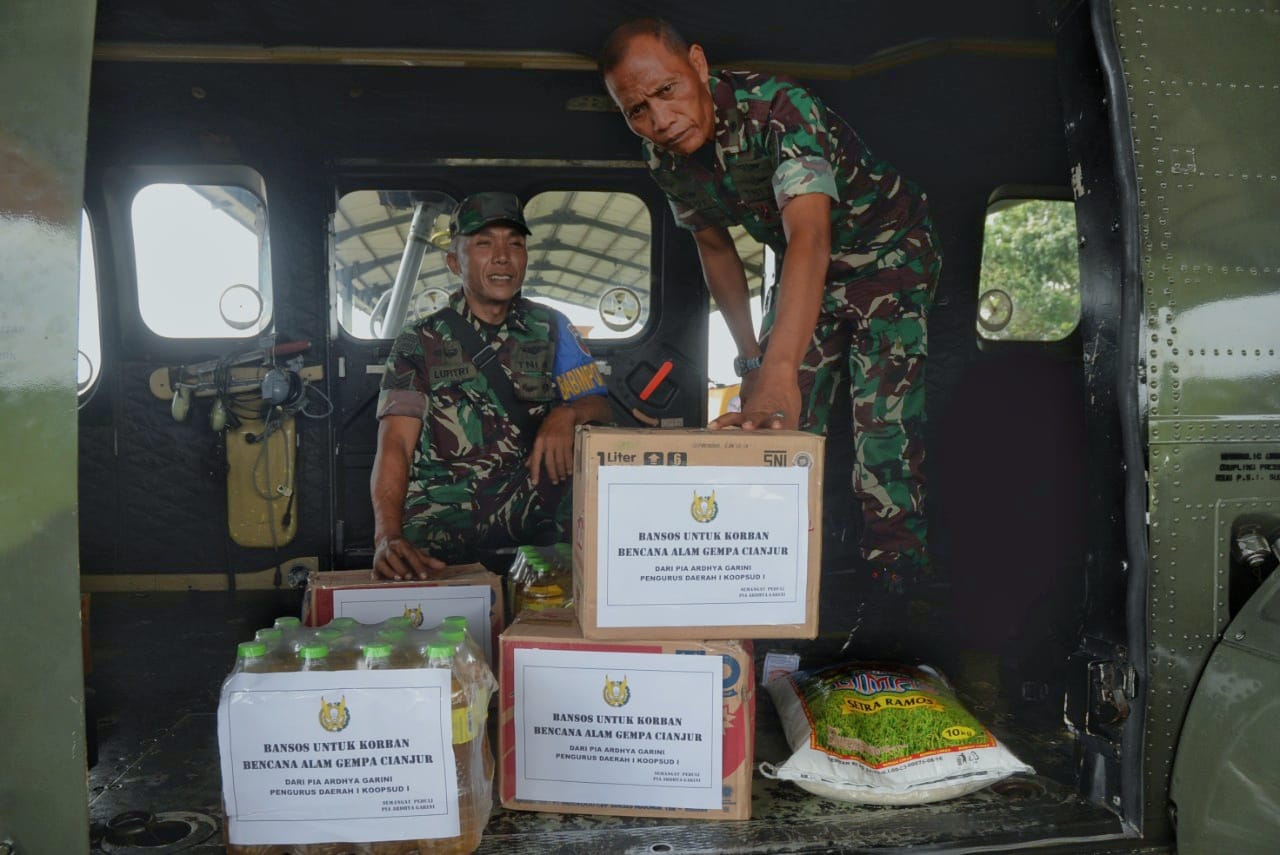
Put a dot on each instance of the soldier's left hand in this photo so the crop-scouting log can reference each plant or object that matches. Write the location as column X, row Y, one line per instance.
column 772, row 401
column 554, row 446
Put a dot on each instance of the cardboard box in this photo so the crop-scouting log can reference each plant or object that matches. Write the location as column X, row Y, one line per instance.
column 697, row 534
column 462, row 589
column 582, row 722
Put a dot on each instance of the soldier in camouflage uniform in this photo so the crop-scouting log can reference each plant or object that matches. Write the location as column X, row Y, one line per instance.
column 860, row 262
column 455, row 470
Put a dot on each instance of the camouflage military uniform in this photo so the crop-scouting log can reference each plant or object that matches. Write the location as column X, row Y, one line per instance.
column 469, row 486
column 775, row 141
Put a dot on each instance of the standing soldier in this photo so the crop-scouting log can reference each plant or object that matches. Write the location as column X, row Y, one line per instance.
column 860, row 262
column 478, row 408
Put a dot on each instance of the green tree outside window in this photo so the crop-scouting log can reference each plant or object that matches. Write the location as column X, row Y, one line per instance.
column 1030, row 279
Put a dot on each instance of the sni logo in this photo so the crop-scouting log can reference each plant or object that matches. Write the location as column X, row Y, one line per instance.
column 775, row 457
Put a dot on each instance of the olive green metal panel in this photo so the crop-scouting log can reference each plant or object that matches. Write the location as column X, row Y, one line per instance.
column 45, row 49
column 1230, row 753
column 1203, row 86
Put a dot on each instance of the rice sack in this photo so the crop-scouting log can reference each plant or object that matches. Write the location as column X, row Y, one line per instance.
column 883, row 734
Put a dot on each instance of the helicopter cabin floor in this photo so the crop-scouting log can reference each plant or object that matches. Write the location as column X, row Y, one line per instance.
column 159, row 660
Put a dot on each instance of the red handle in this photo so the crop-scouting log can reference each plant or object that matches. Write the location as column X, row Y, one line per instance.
column 658, row 377
column 290, row 347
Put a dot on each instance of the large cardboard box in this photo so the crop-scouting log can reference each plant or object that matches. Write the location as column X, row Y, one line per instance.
column 697, row 534
column 462, row 589
column 625, row 728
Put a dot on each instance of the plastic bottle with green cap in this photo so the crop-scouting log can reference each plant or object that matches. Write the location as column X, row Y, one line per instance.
column 392, row 634
column 376, row 657
column 270, row 636
column 287, row 622
column 343, row 655
column 328, row 634
column 404, row 654
column 543, row 590
column 465, row 747
column 344, row 623
column 251, row 658
column 314, row 657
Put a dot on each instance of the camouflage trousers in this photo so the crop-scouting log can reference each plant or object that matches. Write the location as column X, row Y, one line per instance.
column 871, row 333
column 505, row 510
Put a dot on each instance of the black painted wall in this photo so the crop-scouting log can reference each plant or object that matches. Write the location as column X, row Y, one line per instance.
column 1006, row 425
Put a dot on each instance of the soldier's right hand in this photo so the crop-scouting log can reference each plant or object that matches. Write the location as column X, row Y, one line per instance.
column 396, row 558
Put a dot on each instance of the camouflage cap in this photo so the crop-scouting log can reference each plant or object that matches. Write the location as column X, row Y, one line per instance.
column 480, row 209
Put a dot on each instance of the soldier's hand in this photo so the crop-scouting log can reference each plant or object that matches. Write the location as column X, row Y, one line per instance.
column 396, row 558
column 771, row 400
column 553, row 449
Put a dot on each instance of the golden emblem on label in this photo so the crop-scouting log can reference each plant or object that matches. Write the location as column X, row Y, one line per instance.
column 704, row 508
column 414, row 615
column 334, row 717
column 616, row 693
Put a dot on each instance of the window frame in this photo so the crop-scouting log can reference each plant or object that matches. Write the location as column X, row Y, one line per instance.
column 89, row 232
column 1004, row 196
column 120, row 187
column 525, row 178
column 639, row 331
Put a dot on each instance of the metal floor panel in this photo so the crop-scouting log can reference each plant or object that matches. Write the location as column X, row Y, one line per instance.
column 159, row 660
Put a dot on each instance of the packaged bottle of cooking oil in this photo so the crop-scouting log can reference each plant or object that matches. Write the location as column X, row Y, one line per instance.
column 542, row 590
column 474, row 791
column 314, row 657
column 459, row 622
column 376, row 657
column 251, row 658
column 269, row 636
column 404, row 654
column 342, row 649
column 257, row 657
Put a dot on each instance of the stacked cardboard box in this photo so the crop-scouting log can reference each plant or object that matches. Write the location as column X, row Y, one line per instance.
column 463, row 589
column 697, row 534
column 627, row 728
column 683, row 542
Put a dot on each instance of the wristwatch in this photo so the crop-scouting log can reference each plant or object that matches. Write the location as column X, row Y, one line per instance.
column 742, row 365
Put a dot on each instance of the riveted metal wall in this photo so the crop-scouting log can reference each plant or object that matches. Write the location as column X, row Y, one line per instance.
column 1203, row 85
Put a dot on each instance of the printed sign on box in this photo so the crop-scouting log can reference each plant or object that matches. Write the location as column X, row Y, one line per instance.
column 598, row 693
column 636, row 730
column 360, row 756
column 716, row 545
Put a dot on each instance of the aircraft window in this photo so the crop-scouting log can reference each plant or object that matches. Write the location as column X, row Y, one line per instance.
column 758, row 262
column 370, row 229
column 589, row 257
column 1029, row 287
column 203, row 260
column 89, row 359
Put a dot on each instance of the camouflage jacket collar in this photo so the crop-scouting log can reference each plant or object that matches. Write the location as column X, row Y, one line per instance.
column 729, row 133
column 515, row 313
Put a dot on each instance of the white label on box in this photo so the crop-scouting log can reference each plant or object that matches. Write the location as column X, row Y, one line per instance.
column 344, row 756
column 426, row 606
column 620, row 729
column 702, row 546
